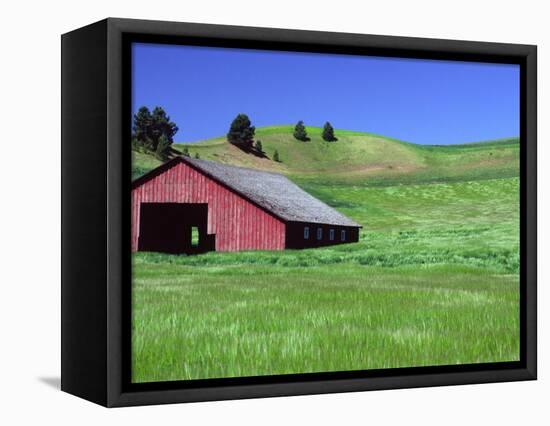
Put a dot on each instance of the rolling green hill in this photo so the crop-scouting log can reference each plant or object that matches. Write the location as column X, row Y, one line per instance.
column 358, row 158
column 433, row 279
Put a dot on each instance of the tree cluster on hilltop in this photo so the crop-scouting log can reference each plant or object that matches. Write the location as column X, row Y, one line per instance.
column 300, row 132
column 153, row 132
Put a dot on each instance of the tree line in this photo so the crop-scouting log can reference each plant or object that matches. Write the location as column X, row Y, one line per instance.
column 153, row 132
column 241, row 132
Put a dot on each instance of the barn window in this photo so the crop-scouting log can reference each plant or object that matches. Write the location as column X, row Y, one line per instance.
column 195, row 236
column 331, row 235
column 306, row 232
column 319, row 233
column 343, row 235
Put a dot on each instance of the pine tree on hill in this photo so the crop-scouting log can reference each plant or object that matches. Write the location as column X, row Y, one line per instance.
column 241, row 132
column 328, row 133
column 300, row 132
column 163, row 148
column 149, row 127
column 276, row 156
column 162, row 126
column 259, row 147
column 141, row 128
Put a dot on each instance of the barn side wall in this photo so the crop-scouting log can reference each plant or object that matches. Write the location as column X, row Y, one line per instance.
column 295, row 235
column 237, row 223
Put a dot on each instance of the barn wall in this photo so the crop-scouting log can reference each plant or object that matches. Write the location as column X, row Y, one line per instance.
column 237, row 223
column 295, row 235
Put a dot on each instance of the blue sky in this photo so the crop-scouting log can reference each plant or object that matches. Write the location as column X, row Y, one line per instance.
column 420, row 101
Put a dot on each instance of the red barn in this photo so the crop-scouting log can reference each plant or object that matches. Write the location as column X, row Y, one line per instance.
column 193, row 206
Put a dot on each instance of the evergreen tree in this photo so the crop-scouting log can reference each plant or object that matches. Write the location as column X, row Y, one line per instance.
column 197, row 156
column 300, row 132
column 161, row 125
column 137, row 145
column 140, row 128
column 328, row 133
column 276, row 156
column 149, row 127
column 241, row 133
column 258, row 146
column 163, row 148
column 185, row 152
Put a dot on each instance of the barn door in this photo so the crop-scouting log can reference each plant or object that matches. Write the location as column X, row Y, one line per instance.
column 173, row 228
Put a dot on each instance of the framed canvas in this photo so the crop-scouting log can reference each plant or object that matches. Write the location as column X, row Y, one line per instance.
column 257, row 212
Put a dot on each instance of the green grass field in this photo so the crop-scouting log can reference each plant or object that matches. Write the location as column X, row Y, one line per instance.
column 432, row 281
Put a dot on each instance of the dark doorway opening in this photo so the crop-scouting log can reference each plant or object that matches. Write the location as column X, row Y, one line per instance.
column 174, row 228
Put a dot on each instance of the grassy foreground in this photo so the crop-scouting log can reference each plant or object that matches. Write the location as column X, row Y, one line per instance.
column 226, row 322
column 433, row 280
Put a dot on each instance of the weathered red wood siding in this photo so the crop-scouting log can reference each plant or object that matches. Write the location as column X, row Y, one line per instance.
column 237, row 223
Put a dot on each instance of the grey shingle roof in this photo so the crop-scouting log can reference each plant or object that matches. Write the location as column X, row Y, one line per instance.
column 273, row 192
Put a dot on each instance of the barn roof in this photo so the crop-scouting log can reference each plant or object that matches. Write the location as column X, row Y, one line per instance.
column 271, row 191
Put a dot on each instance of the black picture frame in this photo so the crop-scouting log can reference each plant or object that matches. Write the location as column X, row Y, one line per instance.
column 96, row 275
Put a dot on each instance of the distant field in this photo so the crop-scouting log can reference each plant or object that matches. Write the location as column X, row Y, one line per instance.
column 433, row 279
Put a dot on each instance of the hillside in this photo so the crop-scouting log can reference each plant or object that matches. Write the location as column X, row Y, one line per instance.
column 433, row 279
column 358, row 158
